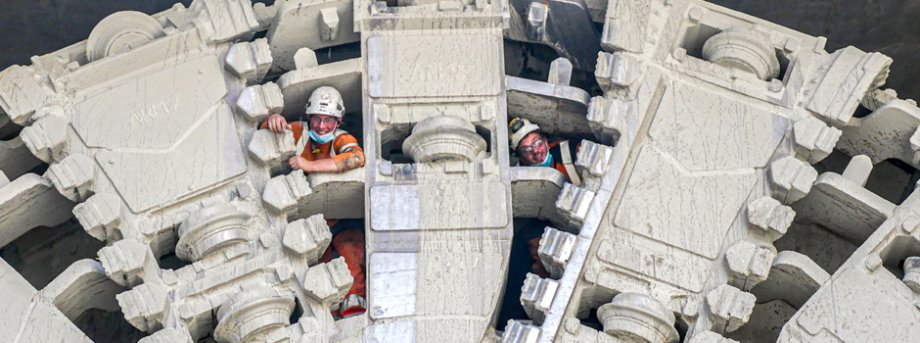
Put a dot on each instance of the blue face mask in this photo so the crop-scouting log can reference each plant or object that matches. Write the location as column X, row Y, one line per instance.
column 321, row 139
column 548, row 162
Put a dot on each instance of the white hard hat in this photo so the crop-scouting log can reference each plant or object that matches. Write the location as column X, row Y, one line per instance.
column 518, row 128
column 327, row 101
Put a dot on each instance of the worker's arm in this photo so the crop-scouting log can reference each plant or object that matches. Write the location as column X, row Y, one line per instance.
column 326, row 165
column 353, row 158
column 275, row 123
column 349, row 154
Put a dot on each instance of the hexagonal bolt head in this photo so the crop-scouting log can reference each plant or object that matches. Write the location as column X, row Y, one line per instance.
column 308, row 237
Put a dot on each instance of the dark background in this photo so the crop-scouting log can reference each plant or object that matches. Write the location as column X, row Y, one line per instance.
column 31, row 27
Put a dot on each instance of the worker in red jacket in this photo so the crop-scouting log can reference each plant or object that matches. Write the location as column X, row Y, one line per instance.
column 324, row 148
column 535, row 150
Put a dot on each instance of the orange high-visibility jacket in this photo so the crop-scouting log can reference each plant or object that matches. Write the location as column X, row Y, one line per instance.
column 340, row 149
column 555, row 150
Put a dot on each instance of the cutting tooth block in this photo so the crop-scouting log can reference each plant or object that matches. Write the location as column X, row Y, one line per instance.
column 282, row 193
column 225, row 20
column 573, row 204
column 271, row 148
column 249, row 61
column 520, row 331
column 729, row 308
column 616, row 70
column 22, row 92
column 771, row 217
column 46, row 138
column 308, row 237
column 878, row 98
column 328, row 282
column 748, row 264
column 791, row 179
column 126, row 260
column 537, row 296
column 100, row 215
column 144, row 306
column 592, row 162
column 606, row 117
column 814, row 140
column 73, row 176
column 259, row 101
column 555, row 249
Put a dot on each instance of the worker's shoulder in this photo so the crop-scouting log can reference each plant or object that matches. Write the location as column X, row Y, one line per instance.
column 297, row 125
column 339, row 133
column 344, row 140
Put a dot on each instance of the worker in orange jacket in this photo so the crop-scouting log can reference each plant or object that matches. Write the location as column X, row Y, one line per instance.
column 328, row 149
column 535, row 150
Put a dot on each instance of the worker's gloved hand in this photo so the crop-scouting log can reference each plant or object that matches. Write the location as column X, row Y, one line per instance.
column 276, row 123
column 298, row 162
